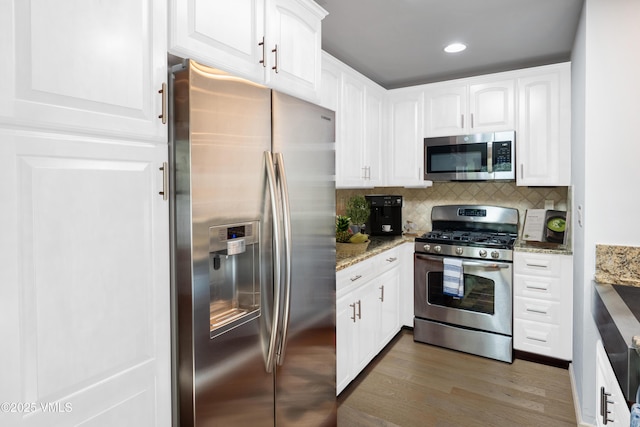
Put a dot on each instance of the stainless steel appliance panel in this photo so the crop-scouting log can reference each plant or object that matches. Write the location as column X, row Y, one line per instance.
column 497, row 275
column 222, row 127
column 304, row 134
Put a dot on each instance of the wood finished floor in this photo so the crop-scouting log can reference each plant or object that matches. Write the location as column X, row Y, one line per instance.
column 414, row 384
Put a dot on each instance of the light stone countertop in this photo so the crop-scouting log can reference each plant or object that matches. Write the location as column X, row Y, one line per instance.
column 377, row 245
column 523, row 246
column 618, row 265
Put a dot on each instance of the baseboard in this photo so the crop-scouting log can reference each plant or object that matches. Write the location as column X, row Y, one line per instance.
column 576, row 401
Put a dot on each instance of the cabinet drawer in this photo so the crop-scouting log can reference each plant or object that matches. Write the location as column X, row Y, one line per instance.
column 548, row 288
column 541, row 338
column 537, row 310
column 387, row 260
column 537, row 264
column 355, row 275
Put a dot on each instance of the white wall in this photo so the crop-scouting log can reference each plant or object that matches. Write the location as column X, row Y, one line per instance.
column 606, row 159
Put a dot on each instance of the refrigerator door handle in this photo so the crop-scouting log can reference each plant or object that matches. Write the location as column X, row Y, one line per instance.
column 277, row 252
column 286, row 227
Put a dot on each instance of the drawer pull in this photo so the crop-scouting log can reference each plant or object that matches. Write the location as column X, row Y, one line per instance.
column 536, row 339
column 356, row 277
column 391, row 259
column 537, row 265
column 537, row 288
column 533, row 310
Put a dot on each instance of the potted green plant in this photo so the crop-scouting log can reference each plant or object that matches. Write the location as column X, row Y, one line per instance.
column 358, row 210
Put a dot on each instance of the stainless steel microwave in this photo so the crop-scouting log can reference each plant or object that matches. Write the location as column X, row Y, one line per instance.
column 477, row 157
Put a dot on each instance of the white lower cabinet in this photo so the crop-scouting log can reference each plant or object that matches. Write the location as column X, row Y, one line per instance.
column 85, row 280
column 611, row 405
column 543, row 300
column 367, row 312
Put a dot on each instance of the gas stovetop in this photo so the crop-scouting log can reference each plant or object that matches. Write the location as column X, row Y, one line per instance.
column 471, row 231
column 470, row 238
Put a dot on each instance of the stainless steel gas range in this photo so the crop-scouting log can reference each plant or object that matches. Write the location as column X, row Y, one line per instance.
column 464, row 280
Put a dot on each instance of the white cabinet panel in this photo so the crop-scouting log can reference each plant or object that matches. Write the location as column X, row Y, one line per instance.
column 88, row 277
column 467, row 106
column 405, row 157
column 229, row 31
column 274, row 42
column 88, row 66
column 612, row 409
column 543, row 301
column 544, row 127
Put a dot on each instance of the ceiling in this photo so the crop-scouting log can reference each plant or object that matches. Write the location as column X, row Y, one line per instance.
column 399, row 43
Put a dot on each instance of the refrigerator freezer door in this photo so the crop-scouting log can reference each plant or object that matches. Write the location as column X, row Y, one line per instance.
column 304, row 134
column 222, row 127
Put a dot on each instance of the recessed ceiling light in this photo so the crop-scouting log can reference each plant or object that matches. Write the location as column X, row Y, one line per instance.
column 455, row 48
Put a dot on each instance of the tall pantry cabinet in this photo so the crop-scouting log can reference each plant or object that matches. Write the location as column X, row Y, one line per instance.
column 84, row 301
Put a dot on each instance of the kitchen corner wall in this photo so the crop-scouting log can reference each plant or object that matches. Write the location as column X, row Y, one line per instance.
column 418, row 202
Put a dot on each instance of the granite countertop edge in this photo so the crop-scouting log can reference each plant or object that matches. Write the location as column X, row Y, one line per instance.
column 377, row 246
column 523, row 246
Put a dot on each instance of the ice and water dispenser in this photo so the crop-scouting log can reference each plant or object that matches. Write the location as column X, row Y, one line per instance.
column 234, row 275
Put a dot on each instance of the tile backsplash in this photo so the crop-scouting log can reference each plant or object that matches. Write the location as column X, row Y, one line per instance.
column 418, row 202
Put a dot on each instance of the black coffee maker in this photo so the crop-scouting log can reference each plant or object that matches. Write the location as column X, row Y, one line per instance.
column 386, row 215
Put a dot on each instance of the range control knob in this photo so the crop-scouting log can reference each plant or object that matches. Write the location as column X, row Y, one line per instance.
column 427, row 248
column 459, row 251
column 482, row 253
column 437, row 249
column 495, row 254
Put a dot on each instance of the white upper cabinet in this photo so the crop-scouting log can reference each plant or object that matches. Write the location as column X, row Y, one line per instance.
column 405, row 158
column 274, row 42
column 469, row 106
column 221, row 32
column 360, row 122
column 92, row 67
column 543, row 137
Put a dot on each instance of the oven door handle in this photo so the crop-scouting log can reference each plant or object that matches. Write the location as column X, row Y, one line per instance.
column 480, row 264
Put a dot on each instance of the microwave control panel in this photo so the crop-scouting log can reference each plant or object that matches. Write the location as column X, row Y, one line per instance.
column 502, row 157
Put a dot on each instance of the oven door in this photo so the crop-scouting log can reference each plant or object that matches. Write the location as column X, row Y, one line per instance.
column 487, row 301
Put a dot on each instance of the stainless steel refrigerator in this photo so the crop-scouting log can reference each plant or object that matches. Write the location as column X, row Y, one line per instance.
column 253, row 218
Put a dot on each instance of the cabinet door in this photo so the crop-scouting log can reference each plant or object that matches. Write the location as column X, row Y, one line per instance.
column 93, row 67
column 445, row 110
column 220, row 33
column 611, row 405
column 293, row 39
column 543, row 137
column 345, row 341
column 492, row 106
column 406, row 284
column 373, row 131
column 350, row 168
column 388, row 288
column 331, row 86
column 406, row 154
column 85, row 278
column 367, row 324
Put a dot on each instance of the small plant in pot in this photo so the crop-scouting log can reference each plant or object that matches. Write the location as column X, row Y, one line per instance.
column 358, row 210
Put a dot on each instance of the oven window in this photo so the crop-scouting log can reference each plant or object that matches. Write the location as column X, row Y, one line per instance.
column 479, row 293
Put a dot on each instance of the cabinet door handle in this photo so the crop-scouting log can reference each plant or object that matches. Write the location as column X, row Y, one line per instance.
column 521, row 170
column 275, row 52
column 359, row 309
column 354, row 312
column 165, row 181
column 462, row 121
column 163, row 93
column 356, row 277
column 604, row 406
column 262, row 61
column 471, row 120
column 381, row 293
